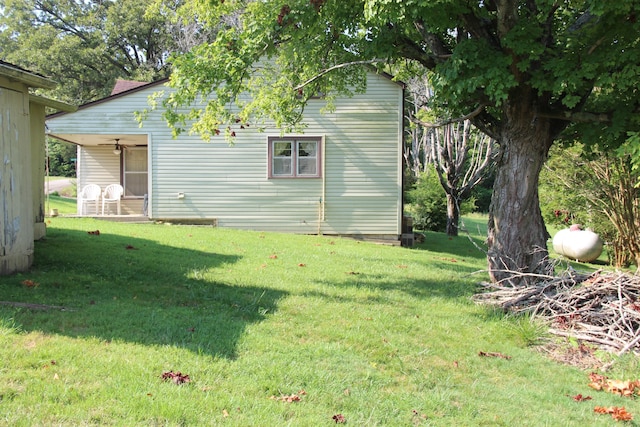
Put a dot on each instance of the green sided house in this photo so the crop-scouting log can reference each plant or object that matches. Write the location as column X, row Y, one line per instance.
column 342, row 176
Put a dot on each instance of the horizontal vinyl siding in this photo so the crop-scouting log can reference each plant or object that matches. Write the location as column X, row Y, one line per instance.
column 229, row 183
column 362, row 188
column 97, row 165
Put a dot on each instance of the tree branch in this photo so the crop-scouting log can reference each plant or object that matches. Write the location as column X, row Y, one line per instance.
column 449, row 121
column 579, row 117
column 336, row 67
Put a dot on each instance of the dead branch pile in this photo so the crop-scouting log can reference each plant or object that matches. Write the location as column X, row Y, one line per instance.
column 600, row 308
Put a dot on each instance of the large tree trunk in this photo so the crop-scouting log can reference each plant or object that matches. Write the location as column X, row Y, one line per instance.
column 517, row 236
column 453, row 215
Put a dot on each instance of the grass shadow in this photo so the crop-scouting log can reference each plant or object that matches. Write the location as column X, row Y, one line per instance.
column 118, row 287
column 459, row 246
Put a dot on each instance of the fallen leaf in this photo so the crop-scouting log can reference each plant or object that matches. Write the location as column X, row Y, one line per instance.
column 492, row 354
column 402, row 266
column 30, row 283
column 623, row 388
column 274, row 256
column 339, row 419
column 456, row 364
column 225, row 413
column 176, row 377
column 619, row 387
column 621, row 414
column 95, row 233
column 302, row 265
column 287, row 398
column 580, row 398
column 618, row 413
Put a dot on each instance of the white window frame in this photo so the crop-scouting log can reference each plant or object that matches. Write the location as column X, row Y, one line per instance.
column 296, row 143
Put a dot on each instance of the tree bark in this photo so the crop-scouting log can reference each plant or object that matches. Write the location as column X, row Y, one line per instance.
column 453, row 216
column 517, row 236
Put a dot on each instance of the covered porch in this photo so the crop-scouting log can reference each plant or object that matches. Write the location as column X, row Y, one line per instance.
column 110, row 160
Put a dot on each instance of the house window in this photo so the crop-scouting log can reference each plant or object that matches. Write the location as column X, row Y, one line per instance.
column 135, row 172
column 294, row 157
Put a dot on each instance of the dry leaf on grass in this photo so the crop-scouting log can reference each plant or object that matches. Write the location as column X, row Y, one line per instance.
column 339, row 419
column 176, row 377
column 493, row 354
column 621, row 387
column 618, row 413
column 289, row 398
column 580, row 398
column 30, row 283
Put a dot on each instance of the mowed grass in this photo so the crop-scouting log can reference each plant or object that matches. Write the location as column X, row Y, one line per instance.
column 65, row 205
column 380, row 335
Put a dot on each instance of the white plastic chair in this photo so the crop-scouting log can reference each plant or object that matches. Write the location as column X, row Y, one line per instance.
column 112, row 194
column 90, row 194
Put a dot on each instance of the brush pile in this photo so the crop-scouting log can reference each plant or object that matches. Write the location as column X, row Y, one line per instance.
column 602, row 308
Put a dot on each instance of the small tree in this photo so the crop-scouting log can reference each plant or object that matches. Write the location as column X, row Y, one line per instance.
column 462, row 157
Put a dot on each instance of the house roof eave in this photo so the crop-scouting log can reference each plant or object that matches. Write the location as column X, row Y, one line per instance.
column 110, row 97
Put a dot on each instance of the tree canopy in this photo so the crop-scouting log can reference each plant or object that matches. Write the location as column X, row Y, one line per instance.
column 86, row 45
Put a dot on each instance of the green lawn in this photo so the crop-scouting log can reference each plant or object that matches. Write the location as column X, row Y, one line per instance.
column 64, row 205
column 380, row 335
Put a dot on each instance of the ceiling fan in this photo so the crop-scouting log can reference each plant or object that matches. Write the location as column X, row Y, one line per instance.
column 117, row 149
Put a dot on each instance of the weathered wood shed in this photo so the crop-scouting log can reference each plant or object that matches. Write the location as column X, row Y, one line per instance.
column 22, row 152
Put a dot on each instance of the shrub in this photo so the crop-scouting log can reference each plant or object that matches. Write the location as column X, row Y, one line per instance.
column 428, row 203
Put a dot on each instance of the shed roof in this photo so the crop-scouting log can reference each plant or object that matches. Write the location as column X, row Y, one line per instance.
column 31, row 79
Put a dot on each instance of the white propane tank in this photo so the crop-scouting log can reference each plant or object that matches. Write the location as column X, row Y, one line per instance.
column 577, row 244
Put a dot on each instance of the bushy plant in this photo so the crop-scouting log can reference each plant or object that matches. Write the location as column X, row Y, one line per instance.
column 428, row 202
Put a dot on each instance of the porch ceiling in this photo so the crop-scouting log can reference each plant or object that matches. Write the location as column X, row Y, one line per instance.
column 103, row 139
